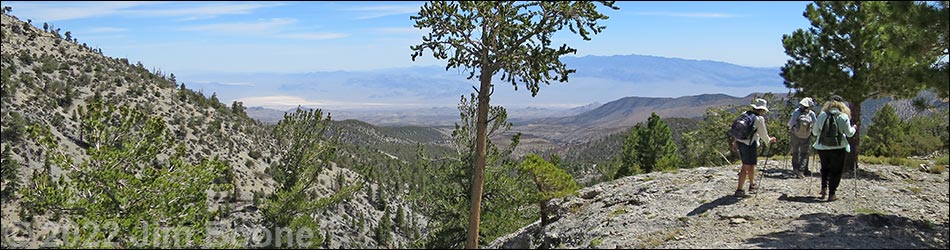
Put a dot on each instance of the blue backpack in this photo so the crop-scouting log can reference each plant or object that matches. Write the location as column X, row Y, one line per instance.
column 744, row 126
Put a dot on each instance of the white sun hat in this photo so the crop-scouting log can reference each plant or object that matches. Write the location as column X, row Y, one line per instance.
column 807, row 102
column 760, row 104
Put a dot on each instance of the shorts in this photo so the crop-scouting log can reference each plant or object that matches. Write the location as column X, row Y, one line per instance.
column 748, row 153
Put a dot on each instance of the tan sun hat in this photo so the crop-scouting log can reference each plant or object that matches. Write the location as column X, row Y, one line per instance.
column 760, row 104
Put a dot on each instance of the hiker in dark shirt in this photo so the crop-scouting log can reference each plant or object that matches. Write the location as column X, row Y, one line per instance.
column 832, row 144
column 747, row 148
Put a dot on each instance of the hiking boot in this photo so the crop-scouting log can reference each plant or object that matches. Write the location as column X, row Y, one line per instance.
column 799, row 175
column 824, row 191
column 807, row 173
column 753, row 188
column 832, row 198
column 739, row 193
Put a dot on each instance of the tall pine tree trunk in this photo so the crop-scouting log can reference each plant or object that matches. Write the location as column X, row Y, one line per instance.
column 851, row 159
column 481, row 139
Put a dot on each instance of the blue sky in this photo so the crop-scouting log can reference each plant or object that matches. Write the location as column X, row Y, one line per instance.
column 329, row 36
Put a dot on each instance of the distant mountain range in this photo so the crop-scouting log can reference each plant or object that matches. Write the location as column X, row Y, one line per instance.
column 628, row 111
column 623, row 113
column 434, row 116
column 598, row 79
column 560, row 126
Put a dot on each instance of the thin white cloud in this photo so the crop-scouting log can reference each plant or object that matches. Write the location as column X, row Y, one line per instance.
column 57, row 11
column 266, row 27
column 370, row 12
column 315, row 36
column 686, row 14
column 261, row 26
column 204, row 11
column 49, row 12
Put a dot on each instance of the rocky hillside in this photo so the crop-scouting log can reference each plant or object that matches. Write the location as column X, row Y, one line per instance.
column 47, row 78
column 881, row 207
column 631, row 110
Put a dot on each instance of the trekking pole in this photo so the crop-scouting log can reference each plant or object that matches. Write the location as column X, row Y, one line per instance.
column 768, row 152
column 812, row 162
column 761, row 175
column 854, row 180
column 788, row 153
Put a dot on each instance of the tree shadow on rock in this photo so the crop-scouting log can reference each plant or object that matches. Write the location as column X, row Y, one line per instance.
column 722, row 201
column 776, row 173
column 863, row 231
column 863, row 175
column 801, row 199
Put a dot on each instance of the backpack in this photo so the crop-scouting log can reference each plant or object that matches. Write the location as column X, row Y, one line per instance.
column 743, row 126
column 802, row 128
column 829, row 132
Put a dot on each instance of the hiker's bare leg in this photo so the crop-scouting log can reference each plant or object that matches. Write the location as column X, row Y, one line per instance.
column 744, row 173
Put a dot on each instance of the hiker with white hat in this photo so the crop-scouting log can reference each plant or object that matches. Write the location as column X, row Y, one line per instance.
column 747, row 129
column 799, row 126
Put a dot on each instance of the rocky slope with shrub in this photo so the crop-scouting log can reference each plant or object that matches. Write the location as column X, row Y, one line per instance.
column 48, row 78
column 882, row 206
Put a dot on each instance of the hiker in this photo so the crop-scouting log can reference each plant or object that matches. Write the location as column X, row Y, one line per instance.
column 747, row 147
column 833, row 124
column 799, row 128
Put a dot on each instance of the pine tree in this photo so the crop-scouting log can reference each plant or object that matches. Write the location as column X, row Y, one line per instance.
column 10, row 169
column 238, row 108
column 214, row 99
column 401, row 219
column 340, row 180
column 629, row 164
column 384, row 230
column 510, row 38
column 556, row 160
column 308, row 146
column 856, row 49
column 708, row 145
column 885, row 133
column 123, row 181
column 550, row 182
column 655, row 148
column 361, row 223
column 448, row 196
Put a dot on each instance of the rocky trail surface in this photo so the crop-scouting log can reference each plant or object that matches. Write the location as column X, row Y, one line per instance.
column 881, row 206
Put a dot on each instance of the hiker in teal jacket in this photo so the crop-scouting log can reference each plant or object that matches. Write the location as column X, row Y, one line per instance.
column 832, row 156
